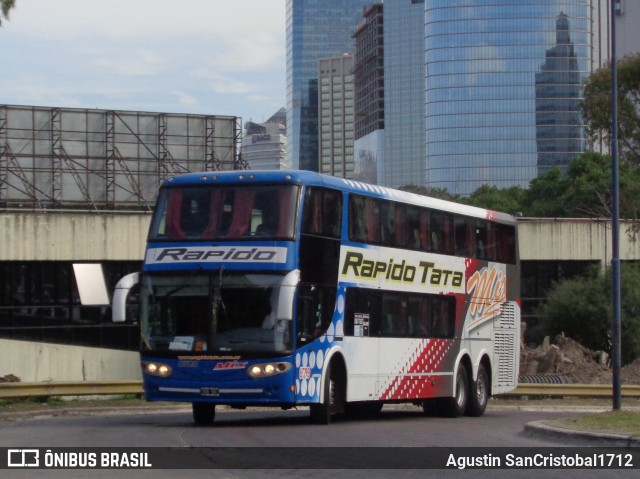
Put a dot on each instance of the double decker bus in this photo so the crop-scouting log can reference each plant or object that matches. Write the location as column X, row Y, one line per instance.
column 291, row 288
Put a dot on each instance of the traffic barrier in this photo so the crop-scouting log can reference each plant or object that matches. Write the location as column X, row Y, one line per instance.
column 80, row 388
column 85, row 388
column 572, row 390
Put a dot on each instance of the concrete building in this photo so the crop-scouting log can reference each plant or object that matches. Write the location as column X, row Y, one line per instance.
column 75, row 185
column 336, row 115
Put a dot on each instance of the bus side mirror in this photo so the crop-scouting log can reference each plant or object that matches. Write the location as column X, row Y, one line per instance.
column 120, row 296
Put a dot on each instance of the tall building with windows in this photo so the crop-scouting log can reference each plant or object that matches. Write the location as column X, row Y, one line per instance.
column 502, row 88
column 336, row 120
column 315, row 29
column 368, row 77
column 404, row 93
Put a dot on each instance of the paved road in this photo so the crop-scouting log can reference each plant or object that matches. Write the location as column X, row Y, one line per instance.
column 268, row 428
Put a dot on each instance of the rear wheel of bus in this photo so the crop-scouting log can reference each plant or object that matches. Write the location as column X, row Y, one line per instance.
column 456, row 406
column 203, row 413
column 479, row 393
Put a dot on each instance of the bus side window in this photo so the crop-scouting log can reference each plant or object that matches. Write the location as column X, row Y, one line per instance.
column 442, row 233
column 357, row 223
column 372, row 217
column 442, row 317
column 506, row 244
column 393, row 322
column 464, row 237
column 332, row 213
column 418, row 315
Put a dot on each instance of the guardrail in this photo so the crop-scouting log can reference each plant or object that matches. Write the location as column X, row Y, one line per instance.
column 576, row 390
column 69, row 388
column 86, row 388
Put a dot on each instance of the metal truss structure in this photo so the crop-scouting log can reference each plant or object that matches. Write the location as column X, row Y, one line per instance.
column 105, row 159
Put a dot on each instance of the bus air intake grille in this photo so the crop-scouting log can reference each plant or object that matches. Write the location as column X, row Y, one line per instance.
column 506, row 348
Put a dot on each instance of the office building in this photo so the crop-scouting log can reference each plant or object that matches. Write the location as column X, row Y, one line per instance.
column 264, row 144
column 368, row 77
column 488, row 66
column 315, row 29
column 404, row 93
column 336, row 120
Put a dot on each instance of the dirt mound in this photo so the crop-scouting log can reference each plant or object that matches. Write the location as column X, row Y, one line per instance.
column 571, row 359
column 9, row 378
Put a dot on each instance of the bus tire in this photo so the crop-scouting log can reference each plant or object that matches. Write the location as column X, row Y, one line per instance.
column 203, row 413
column 456, row 406
column 479, row 393
column 334, row 397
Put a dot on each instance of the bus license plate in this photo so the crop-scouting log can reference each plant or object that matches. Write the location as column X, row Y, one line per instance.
column 210, row 391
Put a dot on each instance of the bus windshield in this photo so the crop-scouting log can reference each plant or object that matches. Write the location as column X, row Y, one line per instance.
column 221, row 313
column 225, row 213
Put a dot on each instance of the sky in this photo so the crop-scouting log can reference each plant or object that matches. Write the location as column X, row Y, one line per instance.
column 214, row 57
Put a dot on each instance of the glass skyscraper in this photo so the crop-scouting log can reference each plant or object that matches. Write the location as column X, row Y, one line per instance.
column 404, row 93
column 502, row 89
column 315, row 29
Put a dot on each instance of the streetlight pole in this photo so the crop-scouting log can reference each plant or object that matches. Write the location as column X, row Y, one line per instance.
column 615, row 220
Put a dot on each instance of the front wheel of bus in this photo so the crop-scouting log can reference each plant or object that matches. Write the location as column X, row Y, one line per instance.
column 203, row 413
column 479, row 394
column 334, row 397
column 455, row 406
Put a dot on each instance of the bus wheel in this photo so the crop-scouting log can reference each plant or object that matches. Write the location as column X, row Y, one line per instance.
column 203, row 413
column 334, row 398
column 456, row 406
column 479, row 394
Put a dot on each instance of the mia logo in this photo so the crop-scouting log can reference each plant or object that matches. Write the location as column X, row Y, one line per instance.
column 488, row 290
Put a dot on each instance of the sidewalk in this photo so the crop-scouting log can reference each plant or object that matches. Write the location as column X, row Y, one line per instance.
column 544, row 429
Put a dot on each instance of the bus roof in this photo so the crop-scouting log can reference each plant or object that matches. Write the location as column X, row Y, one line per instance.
column 317, row 179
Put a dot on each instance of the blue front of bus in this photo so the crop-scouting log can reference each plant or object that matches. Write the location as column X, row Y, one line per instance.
column 216, row 299
column 222, row 337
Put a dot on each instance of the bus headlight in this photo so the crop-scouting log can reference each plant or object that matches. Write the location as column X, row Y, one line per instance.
column 268, row 369
column 157, row 369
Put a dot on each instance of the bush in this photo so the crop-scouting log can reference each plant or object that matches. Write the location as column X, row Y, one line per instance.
column 581, row 309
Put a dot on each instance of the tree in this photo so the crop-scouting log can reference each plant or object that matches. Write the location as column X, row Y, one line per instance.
column 5, row 6
column 509, row 200
column 596, row 106
column 544, row 196
column 585, row 191
column 581, row 308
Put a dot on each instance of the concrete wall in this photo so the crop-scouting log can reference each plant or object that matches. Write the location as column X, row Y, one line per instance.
column 575, row 239
column 39, row 362
column 77, row 236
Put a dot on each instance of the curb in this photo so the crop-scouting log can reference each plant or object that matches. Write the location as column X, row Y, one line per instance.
column 543, row 429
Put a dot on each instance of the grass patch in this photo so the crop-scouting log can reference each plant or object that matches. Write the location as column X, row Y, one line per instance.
column 620, row 422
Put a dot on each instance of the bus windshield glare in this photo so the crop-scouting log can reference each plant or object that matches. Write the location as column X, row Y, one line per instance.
column 225, row 213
